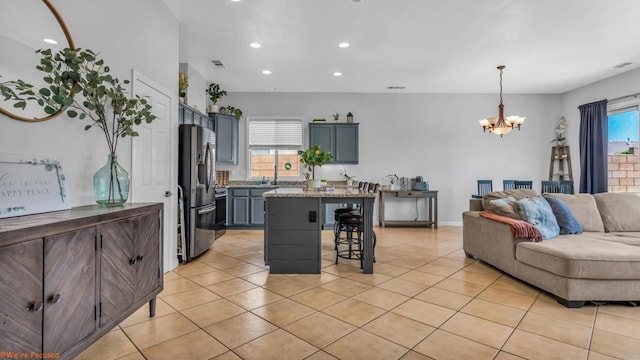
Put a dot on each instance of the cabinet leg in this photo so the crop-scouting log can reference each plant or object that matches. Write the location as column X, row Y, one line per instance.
column 152, row 307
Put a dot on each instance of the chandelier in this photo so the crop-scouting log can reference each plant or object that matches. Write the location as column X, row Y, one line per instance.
column 501, row 125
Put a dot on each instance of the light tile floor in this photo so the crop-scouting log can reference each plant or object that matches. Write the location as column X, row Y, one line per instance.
column 426, row 300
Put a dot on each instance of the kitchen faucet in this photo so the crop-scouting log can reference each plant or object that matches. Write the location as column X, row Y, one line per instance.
column 275, row 174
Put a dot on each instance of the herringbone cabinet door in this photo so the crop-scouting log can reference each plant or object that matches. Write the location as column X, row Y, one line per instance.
column 148, row 242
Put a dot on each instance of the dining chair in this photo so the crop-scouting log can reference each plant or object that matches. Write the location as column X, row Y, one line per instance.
column 508, row 184
column 566, row 187
column 523, row 184
column 550, row 186
column 484, row 187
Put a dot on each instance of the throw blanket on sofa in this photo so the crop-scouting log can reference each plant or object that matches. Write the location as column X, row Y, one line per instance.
column 519, row 228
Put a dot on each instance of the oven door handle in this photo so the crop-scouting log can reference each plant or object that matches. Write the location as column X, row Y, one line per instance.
column 206, row 210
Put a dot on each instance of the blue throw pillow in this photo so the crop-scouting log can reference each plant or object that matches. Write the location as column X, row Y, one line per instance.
column 536, row 211
column 567, row 222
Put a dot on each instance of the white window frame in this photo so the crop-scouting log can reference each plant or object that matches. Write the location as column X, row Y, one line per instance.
column 249, row 147
column 622, row 106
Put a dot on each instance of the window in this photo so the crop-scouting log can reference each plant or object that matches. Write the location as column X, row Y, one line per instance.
column 274, row 143
column 623, row 131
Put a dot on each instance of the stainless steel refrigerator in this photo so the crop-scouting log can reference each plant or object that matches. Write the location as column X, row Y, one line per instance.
column 196, row 176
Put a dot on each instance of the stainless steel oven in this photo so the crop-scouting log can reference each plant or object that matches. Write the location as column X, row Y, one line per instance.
column 221, row 212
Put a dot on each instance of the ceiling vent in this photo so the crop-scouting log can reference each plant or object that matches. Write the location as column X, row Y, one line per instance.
column 395, row 87
column 622, row 65
column 218, row 64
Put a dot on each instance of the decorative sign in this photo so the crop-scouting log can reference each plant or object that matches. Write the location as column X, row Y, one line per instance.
column 287, row 166
column 30, row 186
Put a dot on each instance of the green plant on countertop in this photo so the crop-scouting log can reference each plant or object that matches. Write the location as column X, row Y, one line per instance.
column 215, row 92
column 311, row 158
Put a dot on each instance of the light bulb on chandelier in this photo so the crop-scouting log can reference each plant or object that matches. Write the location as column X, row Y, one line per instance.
column 501, row 125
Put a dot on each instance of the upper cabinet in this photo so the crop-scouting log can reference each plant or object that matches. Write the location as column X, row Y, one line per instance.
column 189, row 115
column 340, row 139
column 226, row 128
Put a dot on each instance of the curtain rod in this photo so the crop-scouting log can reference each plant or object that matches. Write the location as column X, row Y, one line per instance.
column 625, row 97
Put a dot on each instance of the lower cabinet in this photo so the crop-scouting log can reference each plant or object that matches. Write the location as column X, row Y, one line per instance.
column 63, row 289
column 246, row 207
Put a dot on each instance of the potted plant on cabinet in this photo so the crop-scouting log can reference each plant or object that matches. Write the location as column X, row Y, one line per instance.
column 183, row 84
column 215, row 93
column 311, row 158
column 80, row 84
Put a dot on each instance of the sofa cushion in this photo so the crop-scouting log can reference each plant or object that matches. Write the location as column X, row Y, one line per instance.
column 627, row 237
column 536, row 210
column 619, row 211
column 581, row 257
column 567, row 222
column 515, row 193
column 584, row 209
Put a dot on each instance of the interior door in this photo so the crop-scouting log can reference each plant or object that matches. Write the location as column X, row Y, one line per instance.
column 154, row 166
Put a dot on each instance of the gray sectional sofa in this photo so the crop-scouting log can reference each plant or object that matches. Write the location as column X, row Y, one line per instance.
column 600, row 264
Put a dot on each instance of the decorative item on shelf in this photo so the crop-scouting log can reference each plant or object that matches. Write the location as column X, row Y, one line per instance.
column 559, row 138
column 336, row 117
column 183, row 84
column 231, row 110
column 101, row 99
column 311, row 158
column 319, row 120
column 394, row 182
column 349, row 118
column 501, row 125
column 215, row 93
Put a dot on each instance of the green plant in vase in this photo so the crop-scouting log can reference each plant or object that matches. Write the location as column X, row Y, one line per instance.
column 80, row 84
column 183, row 84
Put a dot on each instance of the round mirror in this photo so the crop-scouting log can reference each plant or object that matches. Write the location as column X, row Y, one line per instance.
column 26, row 26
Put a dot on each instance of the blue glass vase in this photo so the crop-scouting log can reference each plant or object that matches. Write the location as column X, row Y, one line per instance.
column 111, row 183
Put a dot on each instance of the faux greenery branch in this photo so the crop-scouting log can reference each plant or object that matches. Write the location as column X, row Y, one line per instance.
column 103, row 99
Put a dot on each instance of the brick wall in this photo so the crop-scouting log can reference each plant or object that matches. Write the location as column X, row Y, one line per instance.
column 624, row 172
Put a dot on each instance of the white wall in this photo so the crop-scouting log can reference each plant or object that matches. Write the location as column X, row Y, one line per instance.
column 433, row 135
column 624, row 84
column 141, row 35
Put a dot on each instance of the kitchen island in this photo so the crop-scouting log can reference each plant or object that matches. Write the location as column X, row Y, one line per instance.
column 293, row 225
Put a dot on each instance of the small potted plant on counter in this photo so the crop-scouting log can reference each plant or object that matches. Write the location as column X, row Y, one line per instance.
column 311, row 158
column 215, row 93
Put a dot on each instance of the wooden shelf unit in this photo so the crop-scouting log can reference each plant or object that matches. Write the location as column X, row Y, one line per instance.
column 560, row 155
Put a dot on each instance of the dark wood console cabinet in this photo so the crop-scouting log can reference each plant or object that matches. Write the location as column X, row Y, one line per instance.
column 68, row 277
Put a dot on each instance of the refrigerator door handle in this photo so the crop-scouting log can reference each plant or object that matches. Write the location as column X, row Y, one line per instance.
column 213, row 165
column 207, row 159
column 206, row 210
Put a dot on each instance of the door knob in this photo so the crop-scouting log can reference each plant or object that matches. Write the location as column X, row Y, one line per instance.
column 167, row 193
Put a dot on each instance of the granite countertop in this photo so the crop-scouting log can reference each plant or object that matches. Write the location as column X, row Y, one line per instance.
column 264, row 186
column 302, row 192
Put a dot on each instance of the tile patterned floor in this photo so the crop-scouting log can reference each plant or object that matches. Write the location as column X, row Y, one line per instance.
column 426, row 300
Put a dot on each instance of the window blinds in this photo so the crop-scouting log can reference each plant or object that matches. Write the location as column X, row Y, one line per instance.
column 275, row 133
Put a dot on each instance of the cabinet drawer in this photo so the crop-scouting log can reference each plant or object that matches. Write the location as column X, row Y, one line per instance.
column 410, row 194
column 240, row 192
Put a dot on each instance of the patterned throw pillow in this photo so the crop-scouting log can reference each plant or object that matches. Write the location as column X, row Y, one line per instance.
column 536, row 210
column 567, row 222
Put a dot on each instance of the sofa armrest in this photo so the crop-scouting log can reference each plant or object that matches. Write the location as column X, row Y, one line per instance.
column 489, row 240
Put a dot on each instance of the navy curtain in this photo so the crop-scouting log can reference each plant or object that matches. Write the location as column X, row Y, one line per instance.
column 593, row 147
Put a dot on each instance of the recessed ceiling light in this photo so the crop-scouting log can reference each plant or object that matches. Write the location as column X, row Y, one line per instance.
column 266, row 72
column 337, row 73
column 255, row 45
column 344, row 45
column 273, row 89
column 50, row 41
column 236, row 0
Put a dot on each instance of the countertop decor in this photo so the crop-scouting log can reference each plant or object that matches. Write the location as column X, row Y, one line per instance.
column 103, row 101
